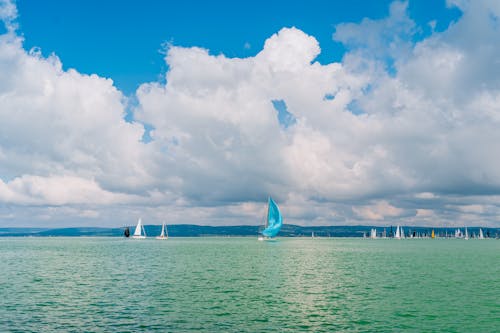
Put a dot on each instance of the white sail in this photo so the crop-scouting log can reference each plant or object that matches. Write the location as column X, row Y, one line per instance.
column 397, row 235
column 481, row 235
column 139, row 230
column 402, row 233
column 373, row 233
column 164, row 232
column 466, row 234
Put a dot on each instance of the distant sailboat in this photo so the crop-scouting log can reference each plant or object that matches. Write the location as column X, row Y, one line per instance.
column 164, row 232
column 126, row 233
column 433, row 235
column 466, row 234
column 481, row 235
column 373, row 233
column 273, row 222
column 397, row 235
column 139, row 232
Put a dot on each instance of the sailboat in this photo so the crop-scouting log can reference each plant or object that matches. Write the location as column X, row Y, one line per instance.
column 139, row 232
column 373, row 233
column 164, row 232
column 273, row 222
column 466, row 234
column 397, row 235
column 433, row 235
column 481, row 235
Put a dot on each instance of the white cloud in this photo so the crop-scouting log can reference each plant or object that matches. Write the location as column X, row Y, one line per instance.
column 377, row 211
column 8, row 14
column 57, row 122
column 397, row 130
column 57, row 190
column 425, row 213
column 380, row 39
column 425, row 195
column 471, row 208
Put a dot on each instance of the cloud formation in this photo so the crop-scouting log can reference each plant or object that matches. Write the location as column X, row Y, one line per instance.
column 399, row 131
column 8, row 15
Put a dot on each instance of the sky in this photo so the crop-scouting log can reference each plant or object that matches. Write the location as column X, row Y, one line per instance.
column 345, row 112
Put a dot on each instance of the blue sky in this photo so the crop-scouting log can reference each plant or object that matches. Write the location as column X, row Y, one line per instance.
column 345, row 112
column 123, row 40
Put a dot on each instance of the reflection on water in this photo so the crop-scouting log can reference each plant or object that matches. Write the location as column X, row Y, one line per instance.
column 240, row 284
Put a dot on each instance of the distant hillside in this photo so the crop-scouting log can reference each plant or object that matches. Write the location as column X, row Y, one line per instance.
column 188, row 230
column 67, row 232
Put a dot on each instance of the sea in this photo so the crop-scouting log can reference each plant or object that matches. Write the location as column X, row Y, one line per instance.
column 112, row 284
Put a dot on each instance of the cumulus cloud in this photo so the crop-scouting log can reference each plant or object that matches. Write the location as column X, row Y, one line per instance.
column 57, row 190
column 398, row 131
column 388, row 39
column 63, row 139
column 216, row 115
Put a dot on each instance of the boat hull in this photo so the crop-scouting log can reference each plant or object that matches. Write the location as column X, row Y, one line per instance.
column 161, row 237
column 138, row 237
column 266, row 239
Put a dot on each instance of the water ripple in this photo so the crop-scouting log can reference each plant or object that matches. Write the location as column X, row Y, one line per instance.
column 241, row 285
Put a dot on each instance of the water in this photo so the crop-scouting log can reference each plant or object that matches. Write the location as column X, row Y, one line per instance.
column 242, row 285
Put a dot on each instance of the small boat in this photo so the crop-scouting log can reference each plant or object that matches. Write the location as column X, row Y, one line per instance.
column 466, row 236
column 164, row 232
column 373, row 233
column 481, row 235
column 140, row 232
column 126, row 233
column 273, row 222
column 397, row 235
column 433, row 235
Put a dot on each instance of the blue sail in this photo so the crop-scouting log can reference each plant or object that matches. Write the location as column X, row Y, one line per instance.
column 274, row 220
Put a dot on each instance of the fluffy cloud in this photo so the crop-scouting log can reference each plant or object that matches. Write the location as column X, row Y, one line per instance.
column 8, row 15
column 63, row 139
column 398, row 131
column 378, row 211
column 216, row 116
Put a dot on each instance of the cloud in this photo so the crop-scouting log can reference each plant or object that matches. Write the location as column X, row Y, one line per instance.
column 471, row 209
column 425, row 195
column 57, row 190
column 388, row 40
column 8, row 14
column 402, row 129
column 63, row 139
column 216, row 118
column 425, row 213
column 378, row 211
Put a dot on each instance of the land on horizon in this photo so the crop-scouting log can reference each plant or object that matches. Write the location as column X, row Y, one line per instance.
column 190, row 230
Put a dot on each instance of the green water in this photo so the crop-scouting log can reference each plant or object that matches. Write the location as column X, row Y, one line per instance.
column 242, row 285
